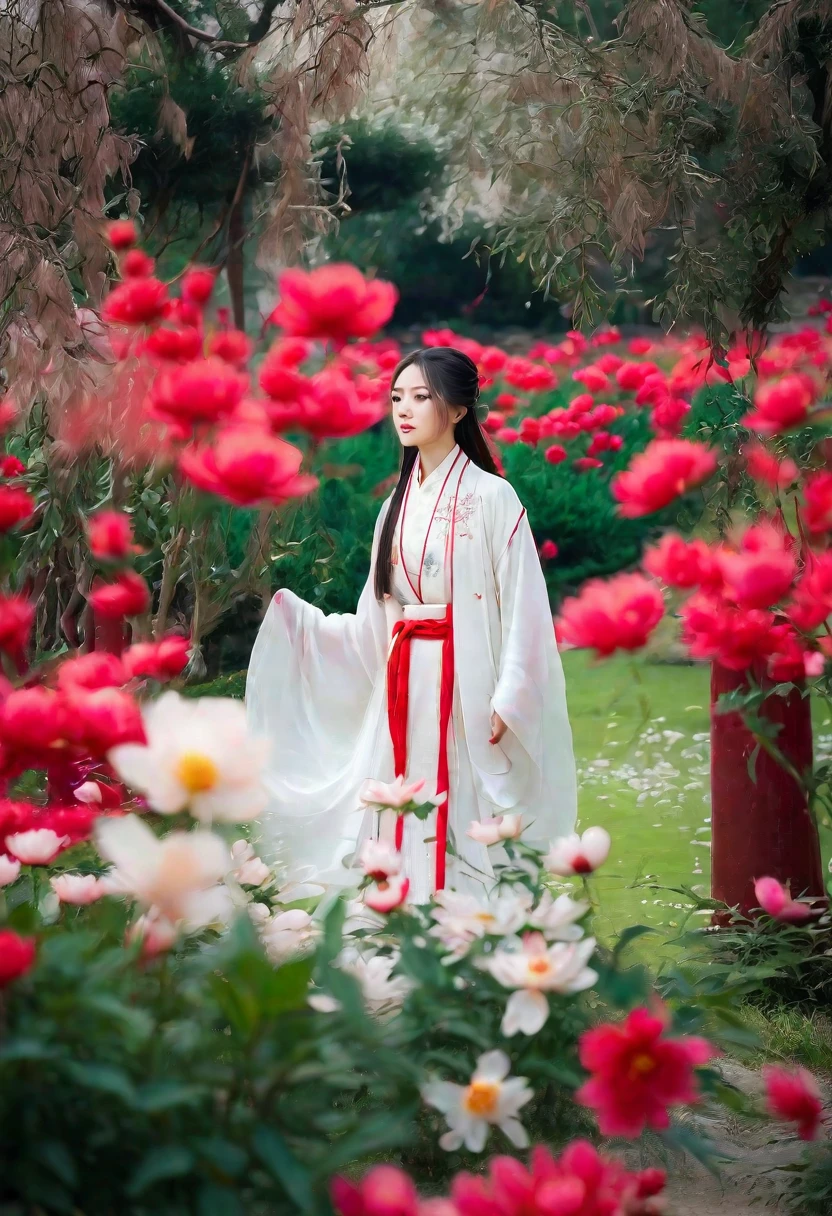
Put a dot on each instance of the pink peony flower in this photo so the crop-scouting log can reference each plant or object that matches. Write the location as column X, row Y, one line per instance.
column 77, row 888
column 9, row 870
column 793, row 1096
column 638, row 1073
column 36, row 847
column 379, row 860
column 578, row 854
column 492, row 831
column 774, row 899
column 387, row 894
column 333, row 302
column 395, row 794
column 384, row 1191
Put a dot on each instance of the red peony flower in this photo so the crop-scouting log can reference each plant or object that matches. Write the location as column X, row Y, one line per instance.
column 16, row 506
column 664, row 470
column 506, row 402
column 103, row 718
column 247, row 465
column 668, row 415
column 205, row 390
column 737, row 637
column 10, row 466
column 136, row 302
column 179, row 345
column 232, row 346
column 680, row 563
column 198, row 285
column 616, row 615
column 592, row 378
column 383, row 1191
column 110, row 536
column 121, row 234
column 32, row 719
column 793, row 1096
column 638, row 1073
column 548, row 550
column 764, row 466
column 582, row 1182
column 127, row 595
column 555, row 454
column 17, row 954
column 631, row 376
column 88, row 672
column 334, row 303
column 136, row 264
column 811, row 601
column 817, row 493
column 16, row 616
column 762, row 572
column 781, row 404
column 158, row 660
column 584, row 463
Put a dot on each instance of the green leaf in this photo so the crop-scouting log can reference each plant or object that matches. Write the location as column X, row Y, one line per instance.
column 104, row 1078
column 375, row 1134
column 27, row 1049
column 218, row 1201
column 165, row 1095
column 166, row 1161
column 628, row 935
column 56, row 1156
column 137, row 1022
column 282, row 1164
column 222, row 1155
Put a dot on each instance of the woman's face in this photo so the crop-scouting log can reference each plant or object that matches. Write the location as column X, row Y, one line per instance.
column 415, row 415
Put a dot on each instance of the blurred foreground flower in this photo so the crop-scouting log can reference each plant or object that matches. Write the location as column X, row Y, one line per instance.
column 491, row 1098
column 619, row 614
column 774, row 899
column 179, row 876
column 793, row 1096
column 638, row 1073
column 199, row 756
column 17, row 954
column 665, row 469
column 333, row 302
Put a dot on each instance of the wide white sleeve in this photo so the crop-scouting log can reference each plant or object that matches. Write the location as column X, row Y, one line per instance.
column 530, row 694
column 312, row 687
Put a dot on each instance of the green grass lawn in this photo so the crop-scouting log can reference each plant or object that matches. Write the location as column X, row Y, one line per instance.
column 641, row 744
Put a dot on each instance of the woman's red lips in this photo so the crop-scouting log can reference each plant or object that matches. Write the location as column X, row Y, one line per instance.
column 405, row 426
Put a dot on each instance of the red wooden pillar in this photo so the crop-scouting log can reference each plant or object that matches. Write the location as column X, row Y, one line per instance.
column 762, row 826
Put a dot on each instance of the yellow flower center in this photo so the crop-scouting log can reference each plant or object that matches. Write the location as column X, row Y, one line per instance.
column 196, row 772
column 641, row 1065
column 481, row 1098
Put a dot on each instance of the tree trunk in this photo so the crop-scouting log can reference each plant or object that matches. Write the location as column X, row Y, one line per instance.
column 761, row 824
column 234, row 264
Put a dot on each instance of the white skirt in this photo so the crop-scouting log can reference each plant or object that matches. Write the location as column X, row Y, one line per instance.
column 467, row 866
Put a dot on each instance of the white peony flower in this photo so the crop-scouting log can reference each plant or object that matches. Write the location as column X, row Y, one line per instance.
column 383, row 992
column 461, row 919
column 535, row 969
column 578, row 854
column 360, row 918
column 379, row 859
column 180, row 875
column 491, row 1098
column 287, row 933
column 556, row 918
column 9, row 869
column 199, row 755
column 77, row 888
column 36, row 847
column 492, row 831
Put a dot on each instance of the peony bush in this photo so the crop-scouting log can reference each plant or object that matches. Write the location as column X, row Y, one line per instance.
column 184, row 1027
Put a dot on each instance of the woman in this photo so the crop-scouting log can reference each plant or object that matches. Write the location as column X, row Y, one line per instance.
column 447, row 672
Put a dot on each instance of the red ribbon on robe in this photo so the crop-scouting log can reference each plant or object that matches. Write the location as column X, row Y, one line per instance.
column 398, row 689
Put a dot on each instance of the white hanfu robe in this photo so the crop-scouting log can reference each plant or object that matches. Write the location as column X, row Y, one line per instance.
column 317, row 690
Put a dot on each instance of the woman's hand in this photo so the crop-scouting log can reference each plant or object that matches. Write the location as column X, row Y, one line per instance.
column 498, row 728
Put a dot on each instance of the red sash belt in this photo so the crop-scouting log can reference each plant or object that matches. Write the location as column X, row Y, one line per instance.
column 438, row 629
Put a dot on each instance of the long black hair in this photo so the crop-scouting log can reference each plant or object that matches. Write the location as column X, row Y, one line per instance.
column 453, row 380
